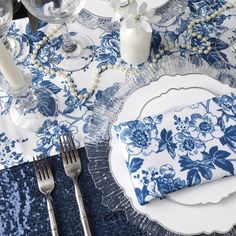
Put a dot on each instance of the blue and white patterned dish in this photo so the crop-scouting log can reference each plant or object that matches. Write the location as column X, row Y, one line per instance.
column 151, row 98
column 171, row 151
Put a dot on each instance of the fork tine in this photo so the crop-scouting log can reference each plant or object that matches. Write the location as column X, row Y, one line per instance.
column 37, row 171
column 67, row 149
column 48, row 169
column 44, row 164
column 69, row 152
column 42, row 167
column 76, row 154
column 71, row 148
column 62, row 149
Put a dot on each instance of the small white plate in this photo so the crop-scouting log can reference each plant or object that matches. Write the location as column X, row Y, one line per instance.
column 161, row 96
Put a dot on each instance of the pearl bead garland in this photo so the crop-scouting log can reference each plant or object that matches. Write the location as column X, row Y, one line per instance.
column 205, row 49
column 69, row 81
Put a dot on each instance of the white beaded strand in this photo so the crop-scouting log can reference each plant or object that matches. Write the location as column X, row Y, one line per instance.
column 206, row 49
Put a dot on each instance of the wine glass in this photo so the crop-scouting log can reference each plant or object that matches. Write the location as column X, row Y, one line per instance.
column 228, row 53
column 76, row 48
column 18, row 47
column 31, row 107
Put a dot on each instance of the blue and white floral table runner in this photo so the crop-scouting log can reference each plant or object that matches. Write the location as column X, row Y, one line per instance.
column 74, row 114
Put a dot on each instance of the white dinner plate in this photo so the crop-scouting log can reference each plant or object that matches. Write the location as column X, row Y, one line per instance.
column 166, row 94
column 103, row 8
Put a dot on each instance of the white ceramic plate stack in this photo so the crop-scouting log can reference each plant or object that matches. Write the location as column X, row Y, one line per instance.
column 207, row 208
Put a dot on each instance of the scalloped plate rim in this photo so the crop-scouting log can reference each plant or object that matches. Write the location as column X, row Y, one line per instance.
column 208, row 232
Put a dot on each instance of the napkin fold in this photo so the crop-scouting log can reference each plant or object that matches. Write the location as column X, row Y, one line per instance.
column 182, row 148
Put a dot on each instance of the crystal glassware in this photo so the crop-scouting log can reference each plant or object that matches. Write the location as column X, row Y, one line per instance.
column 17, row 45
column 75, row 48
column 228, row 51
column 32, row 107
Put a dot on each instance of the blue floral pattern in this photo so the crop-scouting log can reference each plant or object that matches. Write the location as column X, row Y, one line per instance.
column 74, row 114
column 48, row 135
column 186, row 147
column 196, row 9
column 109, row 49
column 204, row 127
column 9, row 156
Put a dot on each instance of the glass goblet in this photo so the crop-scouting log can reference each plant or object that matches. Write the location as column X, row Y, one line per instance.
column 32, row 107
column 228, row 52
column 75, row 48
column 17, row 47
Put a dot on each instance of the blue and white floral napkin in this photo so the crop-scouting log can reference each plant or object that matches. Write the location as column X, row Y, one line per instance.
column 182, row 148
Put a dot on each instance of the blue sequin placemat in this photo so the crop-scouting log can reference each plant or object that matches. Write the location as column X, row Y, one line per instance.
column 23, row 209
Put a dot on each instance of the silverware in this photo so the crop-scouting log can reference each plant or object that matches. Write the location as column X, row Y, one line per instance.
column 72, row 166
column 46, row 185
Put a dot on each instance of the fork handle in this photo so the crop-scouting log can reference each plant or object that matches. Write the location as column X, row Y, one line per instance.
column 52, row 218
column 83, row 215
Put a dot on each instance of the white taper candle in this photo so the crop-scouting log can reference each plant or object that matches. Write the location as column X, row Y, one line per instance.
column 9, row 69
column 134, row 44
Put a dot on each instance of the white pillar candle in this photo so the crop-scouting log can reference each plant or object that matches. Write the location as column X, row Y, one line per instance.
column 134, row 44
column 9, row 69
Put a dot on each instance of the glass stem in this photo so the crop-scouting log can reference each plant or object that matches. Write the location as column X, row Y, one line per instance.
column 69, row 45
column 26, row 101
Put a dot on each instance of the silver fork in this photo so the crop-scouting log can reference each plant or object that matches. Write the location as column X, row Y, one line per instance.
column 46, row 185
column 72, row 166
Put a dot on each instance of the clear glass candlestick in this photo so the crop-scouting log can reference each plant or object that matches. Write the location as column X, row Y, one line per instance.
column 32, row 107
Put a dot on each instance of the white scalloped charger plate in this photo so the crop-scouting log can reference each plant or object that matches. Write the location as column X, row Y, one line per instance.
column 159, row 97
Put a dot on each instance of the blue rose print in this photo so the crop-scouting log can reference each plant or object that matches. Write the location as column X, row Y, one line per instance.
column 227, row 104
column 141, row 136
column 156, row 184
column 48, row 135
column 189, row 145
column 205, row 127
column 109, row 50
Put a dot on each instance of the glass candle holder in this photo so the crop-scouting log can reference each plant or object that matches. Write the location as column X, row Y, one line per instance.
column 32, row 106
